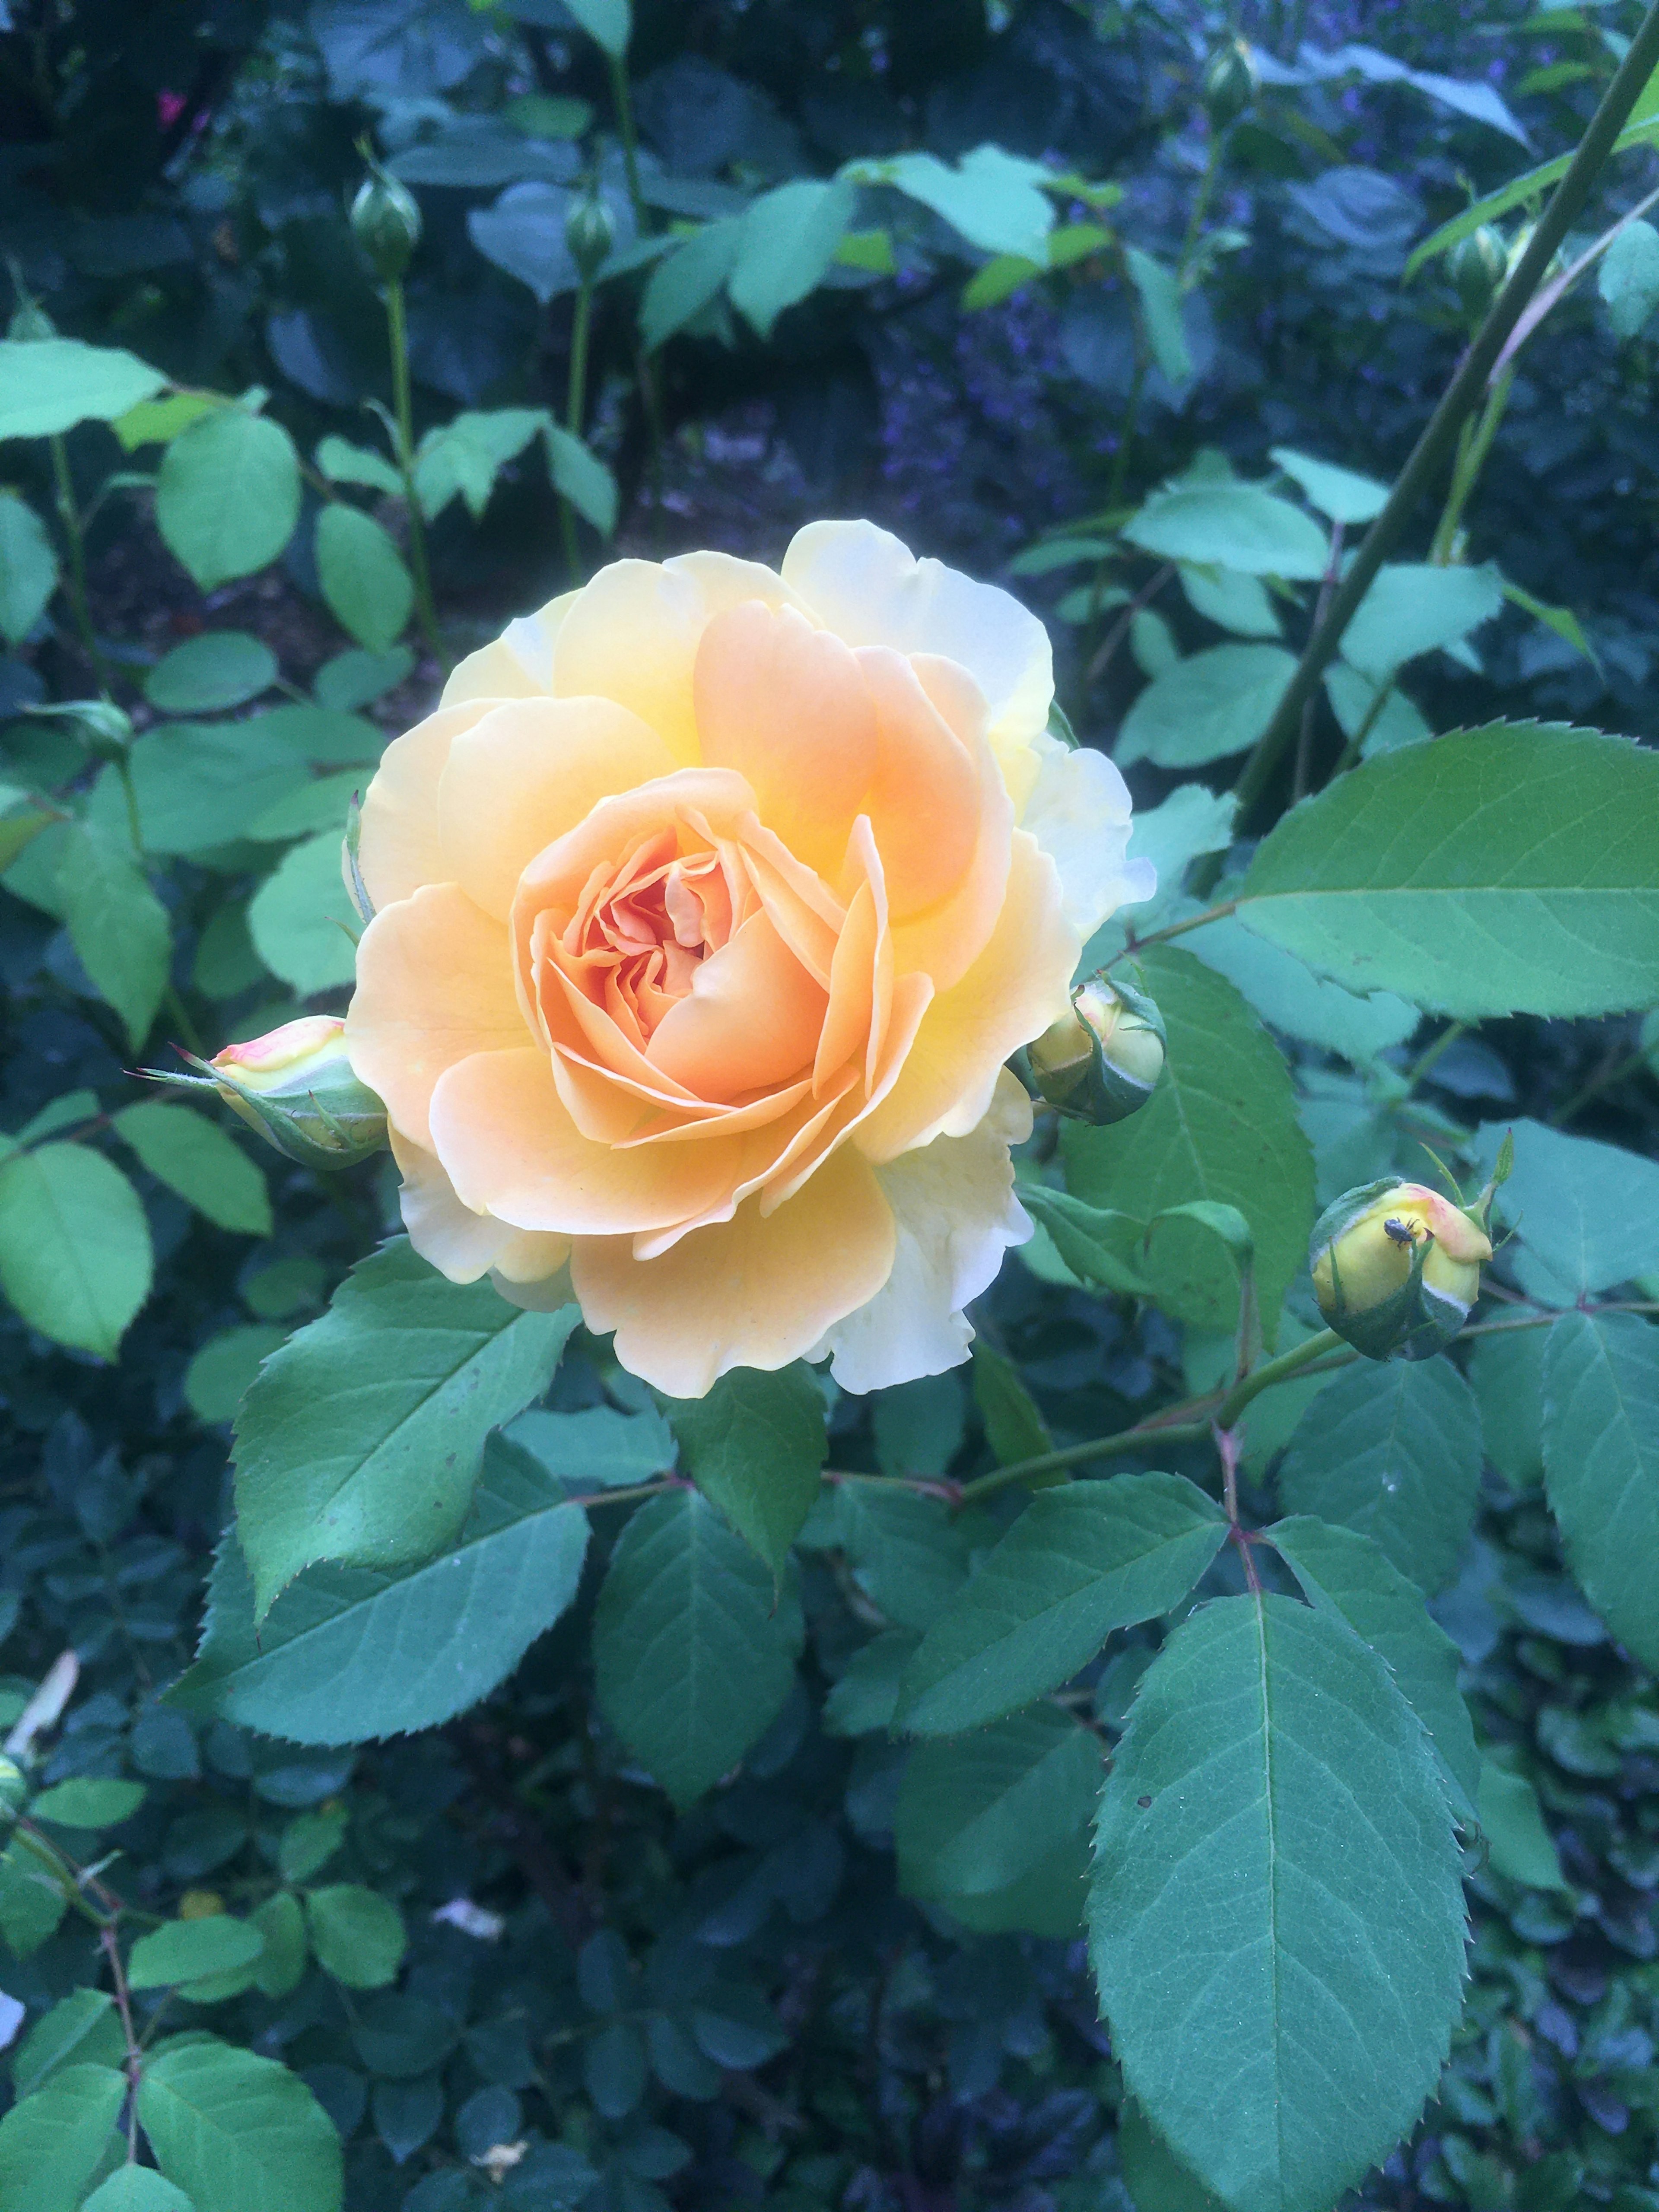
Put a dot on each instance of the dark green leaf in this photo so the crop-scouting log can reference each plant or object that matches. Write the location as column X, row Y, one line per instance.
column 206, row 675
column 52, row 2143
column 753, row 1446
column 75, row 1253
column 356, row 1934
column 118, row 927
column 1601, row 1466
column 189, row 1950
column 201, row 1161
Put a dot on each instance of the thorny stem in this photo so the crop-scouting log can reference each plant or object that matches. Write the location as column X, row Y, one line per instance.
column 69, row 515
column 1304, row 742
column 1430, row 1055
column 1120, row 628
column 403, row 407
column 111, row 1947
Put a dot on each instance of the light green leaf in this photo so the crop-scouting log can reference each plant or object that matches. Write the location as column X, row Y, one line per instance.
column 219, row 1376
column 466, row 456
column 118, row 927
column 1214, row 702
column 154, row 421
column 693, row 1655
column 1398, row 721
column 1014, row 1428
column 355, row 678
column 1601, row 1466
column 49, row 385
column 356, row 1934
column 301, row 919
column 1240, row 604
column 1521, row 1847
column 82, row 2028
column 1275, row 1790
column 348, row 1654
column 227, row 497
column 1507, row 1371
column 683, row 283
column 75, row 1252
column 88, row 1800
column 582, row 477
column 1342, row 494
column 31, row 1903
column 1414, row 607
column 322, row 735
column 787, row 241
column 237, row 2133
column 1220, row 1125
column 28, row 568
column 1159, row 291
column 280, row 1967
column 1514, row 868
column 1349, row 1573
column 753, row 1446
column 206, row 675
column 323, row 802
column 364, row 578
column 1627, row 278
column 1000, row 1818
column 200, row 785
column 1392, row 1450
column 201, row 1161
column 598, row 1447
column 181, row 1951
column 1292, row 998
column 1081, row 1560
column 1586, row 1214
column 52, row 2143
column 609, row 22
column 1097, row 1244
column 344, row 462
column 137, row 2188
column 994, row 200
column 1234, row 526
column 360, row 1440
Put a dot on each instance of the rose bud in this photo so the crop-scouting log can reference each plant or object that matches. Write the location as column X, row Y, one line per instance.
column 1396, row 1267
column 1100, row 1062
column 296, row 1087
column 1477, row 266
column 386, row 221
column 1230, row 84
column 590, row 235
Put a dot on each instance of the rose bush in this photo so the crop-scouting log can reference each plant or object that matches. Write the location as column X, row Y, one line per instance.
column 706, row 910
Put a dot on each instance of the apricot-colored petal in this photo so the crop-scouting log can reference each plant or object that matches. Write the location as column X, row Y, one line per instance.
column 517, row 665
column 847, row 1021
column 926, row 799
column 614, row 1109
column 512, row 1149
column 911, row 997
column 785, row 706
column 528, row 772
column 458, row 1242
column 1016, row 986
column 748, row 1292
column 867, row 588
column 632, row 632
column 400, row 850
column 558, row 875
column 751, row 1017
column 434, row 986
column 955, row 1214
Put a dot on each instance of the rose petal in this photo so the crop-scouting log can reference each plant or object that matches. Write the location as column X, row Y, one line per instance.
column 458, row 1242
column 1078, row 812
column 749, row 1292
column 400, row 848
column 517, row 665
column 434, row 986
column 926, row 801
column 751, row 1019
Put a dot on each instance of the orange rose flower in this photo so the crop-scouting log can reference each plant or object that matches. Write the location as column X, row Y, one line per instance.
column 709, row 904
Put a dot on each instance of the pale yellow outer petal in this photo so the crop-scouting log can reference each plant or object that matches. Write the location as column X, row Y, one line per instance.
column 461, row 1244
column 399, row 848
column 517, row 665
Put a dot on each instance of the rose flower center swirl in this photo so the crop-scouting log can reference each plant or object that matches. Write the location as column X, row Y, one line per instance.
column 708, row 905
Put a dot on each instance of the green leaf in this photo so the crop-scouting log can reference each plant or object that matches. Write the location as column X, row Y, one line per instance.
column 136, row 2188
column 1276, row 1905
column 227, row 497
column 1601, row 1466
column 200, row 785
column 301, row 919
column 360, row 1440
column 1213, row 704
column 1532, row 185
column 347, row 1654
column 1627, row 278
column 28, row 568
column 311, row 1840
column 237, row 2133
column 1350, row 1574
column 341, row 461
column 466, row 456
column 155, row 421
column 693, row 1655
column 1080, row 1561
column 582, row 477
column 219, row 1375
column 687, row 280
column 1392, row 1450
column 1014, row 1428
column 1240, row 604
column 754, row 1446
column 1514, row 868
column 281, row 1966
column 864, row 1695
column 596, row 1446
column 1158, row 290
column 1001, row 1816
column 118, row 927
column 1234, row 526
column 88, row 1800
column 355, row 678
column 1093, row 1241
column 364, row 578
column 82, row 2028
column 994, row 200
column 49, row 385
column 182, row 1951
column 356, row 1934
column 1414, row 607
column 1522, row 1848
column 75, row 1253
column 322, row 735
column 907, row 1552
column 610, row 23
column 201, row 1161
column 52, row 2143
column 1221, row 1125
column 1586, row 1214
column 1292, row 998
column 31, row 1903
column 1506, row 1370
column 206, row 675
column 1397, row 722
column 1342, row 494
column 787, row 242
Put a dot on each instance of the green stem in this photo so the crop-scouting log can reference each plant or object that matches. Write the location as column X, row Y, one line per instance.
column 1322, row 1345
column 1435, row 446
column 1475, row 447
column 1430, row 1053
column 69, row 515
column 574, row 407
column 397, row 329
column 1174, row 929
column 1356, row 745
column 130, row 792
column 1605, row 1078
column 1201, row 201
column 625, row 131
column 1135, row 1439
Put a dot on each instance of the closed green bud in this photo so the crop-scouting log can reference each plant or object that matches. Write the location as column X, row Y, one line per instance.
column 386, row 221
column 296, row 1087
column 1230, row 84
column 1479, row 264
column 14, row 1788
column 1396, row 1267
column 1100, row 1062
column 590, row 235
column 99, row 724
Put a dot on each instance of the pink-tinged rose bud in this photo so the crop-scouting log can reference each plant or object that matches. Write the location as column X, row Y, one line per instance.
column 296, row 1087
column 1396, row 1267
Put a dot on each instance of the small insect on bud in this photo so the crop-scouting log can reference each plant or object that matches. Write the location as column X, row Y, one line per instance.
column 1099, row 1063
column 1396, row 1267
column 296, row 1087
column 1478, row 265
column 1230, row 84
column 590, row 235
column 386, row 221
